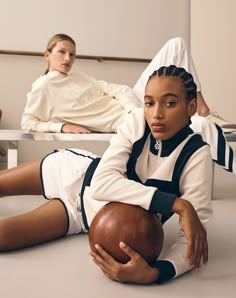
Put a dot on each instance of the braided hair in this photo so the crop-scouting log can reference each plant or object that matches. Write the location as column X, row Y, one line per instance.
column 182, row 74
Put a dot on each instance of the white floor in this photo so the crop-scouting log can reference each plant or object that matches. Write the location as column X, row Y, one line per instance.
column 63, row 268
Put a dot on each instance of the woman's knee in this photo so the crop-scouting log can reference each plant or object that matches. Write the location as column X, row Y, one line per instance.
column 177, row 44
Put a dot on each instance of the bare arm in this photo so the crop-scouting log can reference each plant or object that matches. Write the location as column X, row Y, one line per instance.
column 194, row 231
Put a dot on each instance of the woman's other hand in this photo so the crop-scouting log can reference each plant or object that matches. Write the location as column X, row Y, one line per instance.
column 137, row 270
column 72, row 128
column 194, row 231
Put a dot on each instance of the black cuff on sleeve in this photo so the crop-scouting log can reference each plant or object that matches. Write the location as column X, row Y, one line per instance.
column 162, row 203
column 166, row 270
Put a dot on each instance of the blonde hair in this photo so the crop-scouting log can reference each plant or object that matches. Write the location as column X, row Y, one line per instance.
column 53, row 42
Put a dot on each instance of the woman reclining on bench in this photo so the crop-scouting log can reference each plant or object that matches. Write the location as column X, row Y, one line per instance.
column 76, row 103
column 68, row 102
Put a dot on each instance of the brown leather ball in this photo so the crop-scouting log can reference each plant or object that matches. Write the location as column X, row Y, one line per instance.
column 137, row 227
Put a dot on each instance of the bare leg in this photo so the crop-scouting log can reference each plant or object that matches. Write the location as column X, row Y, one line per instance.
column 21, row 180
column 202, row 107
column 48, row 222
column 204, row 111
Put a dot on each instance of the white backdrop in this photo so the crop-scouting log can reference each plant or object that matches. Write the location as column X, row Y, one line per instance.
column 123, row 28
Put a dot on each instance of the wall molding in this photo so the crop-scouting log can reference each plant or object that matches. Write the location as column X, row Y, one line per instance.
column 84, row 57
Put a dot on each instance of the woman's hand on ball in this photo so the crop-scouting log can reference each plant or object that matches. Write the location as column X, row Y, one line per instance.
column 137, row 270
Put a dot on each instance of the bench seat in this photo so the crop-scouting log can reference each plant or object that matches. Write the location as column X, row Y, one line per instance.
column 15, row 136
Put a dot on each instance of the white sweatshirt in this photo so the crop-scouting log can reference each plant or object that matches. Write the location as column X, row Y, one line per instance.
column 56, row 99
column 182, row 167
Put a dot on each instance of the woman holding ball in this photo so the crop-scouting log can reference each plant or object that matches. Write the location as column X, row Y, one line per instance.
column 155, row 161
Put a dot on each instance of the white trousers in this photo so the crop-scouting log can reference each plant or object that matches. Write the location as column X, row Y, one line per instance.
column 176, row 52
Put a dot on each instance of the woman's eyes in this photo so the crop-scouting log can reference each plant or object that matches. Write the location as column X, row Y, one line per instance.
column 148, row 103
column 169, row 103
column 64, row 52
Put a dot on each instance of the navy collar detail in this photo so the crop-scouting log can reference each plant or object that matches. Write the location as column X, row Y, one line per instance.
column 166, row 147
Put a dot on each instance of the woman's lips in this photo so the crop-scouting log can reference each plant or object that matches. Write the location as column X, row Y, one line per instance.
column 158, row 127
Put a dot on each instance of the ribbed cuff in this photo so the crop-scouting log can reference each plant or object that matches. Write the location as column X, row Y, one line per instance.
column 166, row 270
column 162, row 203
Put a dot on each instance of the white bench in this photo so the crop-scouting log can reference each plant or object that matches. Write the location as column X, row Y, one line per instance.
column 230, row 137
column 13, row 137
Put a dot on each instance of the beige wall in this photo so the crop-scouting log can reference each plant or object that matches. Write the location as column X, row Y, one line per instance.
column 213, row 42
column 213, row 45
column 127, row 28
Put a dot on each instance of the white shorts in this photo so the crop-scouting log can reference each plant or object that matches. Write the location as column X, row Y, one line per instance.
column 62, row 175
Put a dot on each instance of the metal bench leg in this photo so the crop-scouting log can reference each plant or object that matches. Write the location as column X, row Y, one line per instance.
column 12, row 154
